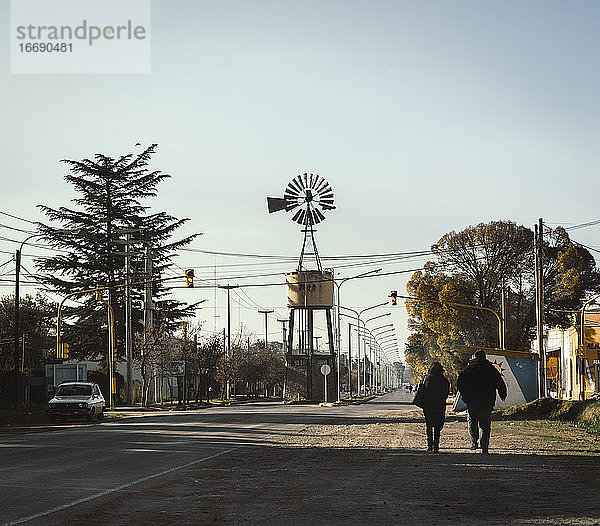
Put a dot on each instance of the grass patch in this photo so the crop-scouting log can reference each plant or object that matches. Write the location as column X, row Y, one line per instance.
column 580, row 413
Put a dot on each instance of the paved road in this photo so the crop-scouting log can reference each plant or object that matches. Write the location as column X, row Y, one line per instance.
column 51, row 476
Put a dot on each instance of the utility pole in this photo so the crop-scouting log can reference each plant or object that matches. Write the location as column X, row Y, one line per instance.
column 284, row 329
column 128, row 331
column 128, row 325
column 539, row 274
column 285, row 352
column 148, row 307
column 228, row 288
column 266, row 313
column 350, row 360
column 17, row 320
column 503, row 317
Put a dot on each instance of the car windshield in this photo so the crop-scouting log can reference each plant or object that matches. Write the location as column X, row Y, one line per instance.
column 74, row 390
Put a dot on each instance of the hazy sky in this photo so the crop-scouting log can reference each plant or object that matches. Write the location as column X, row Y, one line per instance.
column 424, row 116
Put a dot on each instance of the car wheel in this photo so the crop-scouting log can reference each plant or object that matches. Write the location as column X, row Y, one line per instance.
column 91, row 416
column 101, row 415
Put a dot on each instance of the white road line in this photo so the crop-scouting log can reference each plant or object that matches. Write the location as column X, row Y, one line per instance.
column 118, row 488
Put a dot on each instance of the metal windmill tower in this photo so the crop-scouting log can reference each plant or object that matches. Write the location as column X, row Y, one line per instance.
column 307, row 196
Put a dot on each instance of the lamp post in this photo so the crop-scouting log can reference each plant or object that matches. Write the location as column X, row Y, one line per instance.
column 17, row 297
column 390, row 328
column 350, row 325
column 358, row 320
column 111, row 345
column 338, row 330
column 266, row 313
column 17, row 317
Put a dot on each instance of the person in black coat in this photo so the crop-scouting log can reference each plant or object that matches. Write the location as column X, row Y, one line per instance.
column 431, row 397
column 477, row 384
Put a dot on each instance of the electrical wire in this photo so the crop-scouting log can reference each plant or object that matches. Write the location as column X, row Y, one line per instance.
column 19, row 218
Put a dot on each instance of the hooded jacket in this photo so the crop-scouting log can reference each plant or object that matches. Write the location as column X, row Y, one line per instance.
column 478, row 383
column 435, row 388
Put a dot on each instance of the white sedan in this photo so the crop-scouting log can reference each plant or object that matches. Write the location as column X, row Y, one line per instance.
column 77, row 399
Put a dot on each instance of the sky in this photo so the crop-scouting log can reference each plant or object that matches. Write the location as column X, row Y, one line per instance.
column 424, row 117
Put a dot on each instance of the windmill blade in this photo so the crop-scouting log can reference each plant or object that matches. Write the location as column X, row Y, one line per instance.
column 302, row 219
column 322, row 183
column 297, row 216
column 327, row 195
column 318, row 216
column 294, row 187
column 275, row 204
column 325, row 189
column 327, row 207
column 299, row 183
column 311, row 180
column 291, row 197
column 305, row 180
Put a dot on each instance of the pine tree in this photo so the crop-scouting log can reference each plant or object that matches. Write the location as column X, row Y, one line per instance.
column 111, row 197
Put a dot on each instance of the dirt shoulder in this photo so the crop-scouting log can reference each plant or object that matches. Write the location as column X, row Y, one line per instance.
column 374, row 471
column 406, row 429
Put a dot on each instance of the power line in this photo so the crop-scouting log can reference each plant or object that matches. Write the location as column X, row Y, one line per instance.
column 19, row 218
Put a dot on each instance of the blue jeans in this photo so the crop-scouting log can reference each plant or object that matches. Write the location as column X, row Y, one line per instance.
column 480, row 418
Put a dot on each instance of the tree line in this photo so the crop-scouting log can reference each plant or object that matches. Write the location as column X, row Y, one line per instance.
column 473, row 267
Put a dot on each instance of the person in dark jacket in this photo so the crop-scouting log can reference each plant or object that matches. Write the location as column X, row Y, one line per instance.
column 477, row 384
column 433, row 391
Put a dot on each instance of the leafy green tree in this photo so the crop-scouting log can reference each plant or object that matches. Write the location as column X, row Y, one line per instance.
column 111, row 196
column 36, row 323
column 470, row 269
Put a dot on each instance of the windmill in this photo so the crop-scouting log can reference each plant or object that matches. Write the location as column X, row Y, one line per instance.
column 307, row 197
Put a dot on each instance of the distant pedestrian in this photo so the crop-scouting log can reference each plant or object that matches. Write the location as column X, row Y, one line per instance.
column 478, row 383
column 431, row 396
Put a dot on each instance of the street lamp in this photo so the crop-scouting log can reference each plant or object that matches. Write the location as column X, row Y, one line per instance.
column 338, row 331
column 17, row 317
column 17, row 300
column 373, row 348
column 358, row 320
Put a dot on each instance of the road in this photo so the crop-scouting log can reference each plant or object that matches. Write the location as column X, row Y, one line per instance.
column 272, row 464
column 51, row 475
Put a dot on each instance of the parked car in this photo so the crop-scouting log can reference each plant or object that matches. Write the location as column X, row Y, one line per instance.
column 77, row 399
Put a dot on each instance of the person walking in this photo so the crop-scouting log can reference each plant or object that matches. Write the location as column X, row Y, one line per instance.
column 477, row 384
column 431, row 397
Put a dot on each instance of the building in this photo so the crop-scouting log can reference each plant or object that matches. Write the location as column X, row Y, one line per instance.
column 571, row 374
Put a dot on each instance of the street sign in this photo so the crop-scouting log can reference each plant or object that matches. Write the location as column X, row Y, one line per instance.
column 325, row 370
column 176, row 368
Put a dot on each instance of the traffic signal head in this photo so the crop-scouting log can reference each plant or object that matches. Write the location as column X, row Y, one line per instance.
column 189, row 277
column 393, row 295
column 63, row 351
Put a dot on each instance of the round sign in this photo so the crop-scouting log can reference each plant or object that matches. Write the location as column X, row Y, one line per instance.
column 325, row 369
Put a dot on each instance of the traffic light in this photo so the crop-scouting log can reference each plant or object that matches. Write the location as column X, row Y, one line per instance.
column 393, row 295
column 63, row 351
column 189, row 277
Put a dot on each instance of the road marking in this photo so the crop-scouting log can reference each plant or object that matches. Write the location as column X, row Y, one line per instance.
column 118, row 488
